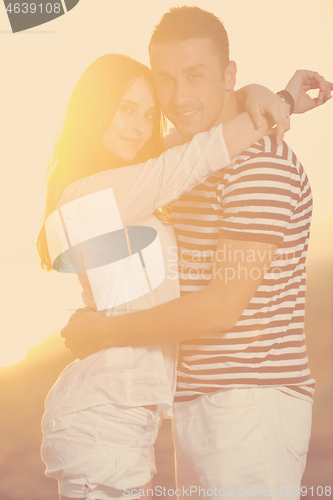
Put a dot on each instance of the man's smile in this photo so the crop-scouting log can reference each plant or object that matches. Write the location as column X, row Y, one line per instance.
column 185, row 114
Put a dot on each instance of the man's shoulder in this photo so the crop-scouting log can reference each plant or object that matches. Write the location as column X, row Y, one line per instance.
column 267, row 168
column 267, row 148
column 263, row 162
column 267, row 155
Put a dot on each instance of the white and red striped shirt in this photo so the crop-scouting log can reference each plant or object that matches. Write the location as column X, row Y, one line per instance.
column 264, row 196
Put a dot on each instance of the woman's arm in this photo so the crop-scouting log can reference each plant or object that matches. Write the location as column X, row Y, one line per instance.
column 258, row 100
column 140, row 189
column 117, row 198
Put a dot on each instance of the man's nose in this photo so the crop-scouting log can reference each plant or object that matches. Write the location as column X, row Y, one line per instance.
column 182, row 94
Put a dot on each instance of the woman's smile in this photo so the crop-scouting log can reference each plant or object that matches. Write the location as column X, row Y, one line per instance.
column 133, row 122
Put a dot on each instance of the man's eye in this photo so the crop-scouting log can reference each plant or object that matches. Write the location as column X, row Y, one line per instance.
column 195, row 76
column 150, row 117
column 165, row 82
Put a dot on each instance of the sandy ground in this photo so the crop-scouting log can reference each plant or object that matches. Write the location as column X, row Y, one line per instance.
column 25, row 385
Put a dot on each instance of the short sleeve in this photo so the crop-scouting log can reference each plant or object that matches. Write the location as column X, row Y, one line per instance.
column 258, row 197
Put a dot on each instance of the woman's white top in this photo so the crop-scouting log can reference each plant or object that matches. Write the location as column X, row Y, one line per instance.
column 126, row 260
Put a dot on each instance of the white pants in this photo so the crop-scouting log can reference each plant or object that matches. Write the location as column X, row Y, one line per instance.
column 242, row 443
column 102, row 452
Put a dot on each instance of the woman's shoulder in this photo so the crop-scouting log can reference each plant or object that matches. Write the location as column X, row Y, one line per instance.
column 85, row 187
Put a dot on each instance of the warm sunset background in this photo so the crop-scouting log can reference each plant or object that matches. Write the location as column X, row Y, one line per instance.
column 39, row 68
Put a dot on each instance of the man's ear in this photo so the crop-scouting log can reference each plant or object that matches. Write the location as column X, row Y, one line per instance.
column 230, row 76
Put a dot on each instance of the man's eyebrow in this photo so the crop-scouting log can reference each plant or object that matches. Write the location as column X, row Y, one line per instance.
column 194, row 67
column 188, row 69
column 162, row 73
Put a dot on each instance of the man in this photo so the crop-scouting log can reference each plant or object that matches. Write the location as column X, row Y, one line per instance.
column 243, row 400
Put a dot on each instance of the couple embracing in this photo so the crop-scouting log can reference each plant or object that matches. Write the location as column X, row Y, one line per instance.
column 220, row 343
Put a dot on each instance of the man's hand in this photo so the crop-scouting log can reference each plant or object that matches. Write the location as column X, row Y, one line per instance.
column 303, row 81
column 83, row 333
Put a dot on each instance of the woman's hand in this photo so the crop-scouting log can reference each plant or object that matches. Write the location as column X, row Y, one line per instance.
column 258, row 100
column 303, row 81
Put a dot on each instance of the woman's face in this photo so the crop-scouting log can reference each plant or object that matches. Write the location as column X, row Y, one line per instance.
column 132, row 125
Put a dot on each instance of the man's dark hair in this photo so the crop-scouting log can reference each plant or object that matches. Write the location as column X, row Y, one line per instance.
column 182, row 23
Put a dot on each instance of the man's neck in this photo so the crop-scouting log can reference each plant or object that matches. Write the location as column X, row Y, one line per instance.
column 230, row 108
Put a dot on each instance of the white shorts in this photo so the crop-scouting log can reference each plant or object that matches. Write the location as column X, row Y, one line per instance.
column 98, row 452
column 242, row 443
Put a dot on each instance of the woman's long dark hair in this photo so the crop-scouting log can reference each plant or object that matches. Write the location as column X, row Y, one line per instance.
column 78, row 150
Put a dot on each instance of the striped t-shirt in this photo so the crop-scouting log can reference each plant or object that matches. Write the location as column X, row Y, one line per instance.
column 263, row 196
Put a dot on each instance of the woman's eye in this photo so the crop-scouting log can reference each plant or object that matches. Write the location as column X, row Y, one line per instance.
column 126, row 109
column 150, row 117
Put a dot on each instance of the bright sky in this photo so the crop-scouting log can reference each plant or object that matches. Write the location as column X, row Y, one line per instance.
column 39, row 69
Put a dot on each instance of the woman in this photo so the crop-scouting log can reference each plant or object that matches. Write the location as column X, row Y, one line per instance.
column 103, row 414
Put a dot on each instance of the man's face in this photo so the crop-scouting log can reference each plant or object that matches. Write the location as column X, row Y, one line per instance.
column 190, row 84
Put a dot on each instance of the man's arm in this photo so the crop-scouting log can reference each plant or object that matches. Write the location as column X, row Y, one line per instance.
column 214, row 309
